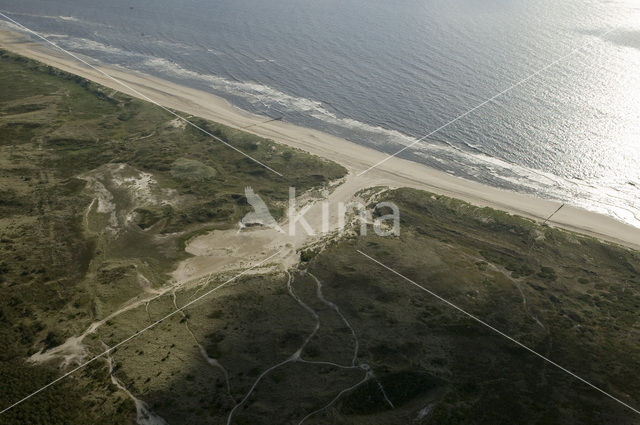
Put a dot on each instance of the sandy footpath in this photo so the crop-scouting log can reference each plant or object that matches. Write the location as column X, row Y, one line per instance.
column 395, row 172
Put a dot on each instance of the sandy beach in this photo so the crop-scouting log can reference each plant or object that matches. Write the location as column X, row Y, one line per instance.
column 395, row 172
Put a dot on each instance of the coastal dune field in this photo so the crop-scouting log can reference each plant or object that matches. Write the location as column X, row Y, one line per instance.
column 140, row 282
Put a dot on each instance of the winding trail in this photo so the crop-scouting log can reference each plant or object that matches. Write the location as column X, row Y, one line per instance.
column 72, row 350
column 144, row 415
column 507, row 274
column 294, row 357
column 297, row 355
column 525, row 307
column 321, row 297
column 210, row 360
column 367, row 376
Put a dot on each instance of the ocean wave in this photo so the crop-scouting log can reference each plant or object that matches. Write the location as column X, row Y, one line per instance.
column 50, row 17
column 76, row 43
column 254, row 93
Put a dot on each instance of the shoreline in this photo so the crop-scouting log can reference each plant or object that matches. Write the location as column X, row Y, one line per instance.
column 355, row 158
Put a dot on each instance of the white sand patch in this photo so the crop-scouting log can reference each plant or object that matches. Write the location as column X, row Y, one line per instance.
column 104, row 197
column 178, row 123
column 71, row 352
column 120, row 189
column 106, row 204
column 142, row 187
column 223, row 250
